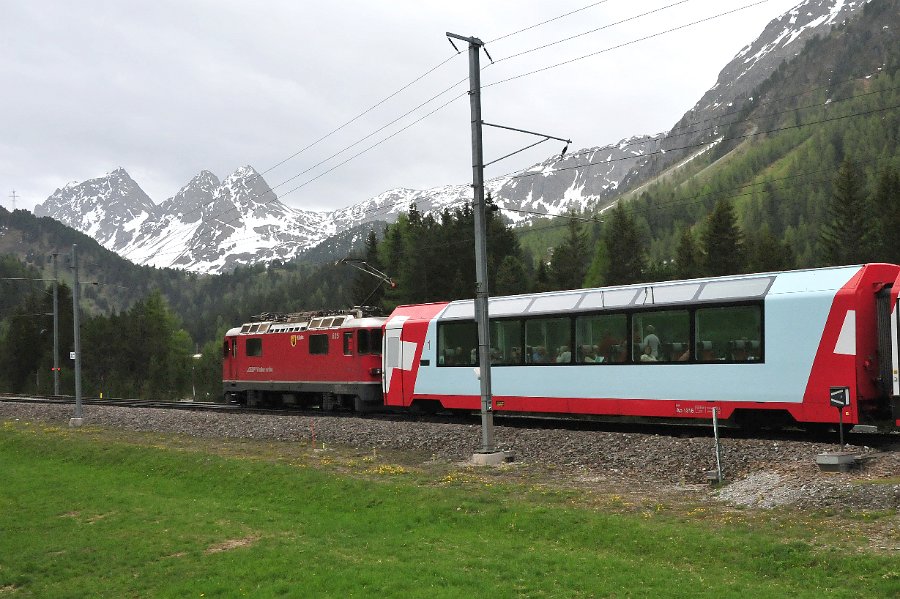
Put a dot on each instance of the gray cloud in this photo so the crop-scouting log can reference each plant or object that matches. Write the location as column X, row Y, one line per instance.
column 167, row 88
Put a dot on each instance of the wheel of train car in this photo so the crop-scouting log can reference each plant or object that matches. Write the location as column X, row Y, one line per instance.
column 330, row 402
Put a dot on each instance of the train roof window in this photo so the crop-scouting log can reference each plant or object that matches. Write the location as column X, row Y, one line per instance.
column 315, row 323
column 245, row 328
column 263, row 327
column 513, row 305
column 326, row 322
column 554, row 303
column 253, row 328
column 736, row 288
column 610, row 298
column 464, row 309
column 338, row 321
column 669, row 294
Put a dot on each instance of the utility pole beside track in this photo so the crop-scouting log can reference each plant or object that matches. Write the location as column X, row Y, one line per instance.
column 481, row 272
column 77, row 420
column 488, row 453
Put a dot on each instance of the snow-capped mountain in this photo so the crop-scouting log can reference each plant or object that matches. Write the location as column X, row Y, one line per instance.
column 105, row 208
column 213, row 226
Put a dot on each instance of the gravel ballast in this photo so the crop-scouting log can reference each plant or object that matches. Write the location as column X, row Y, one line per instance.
column 758, row 473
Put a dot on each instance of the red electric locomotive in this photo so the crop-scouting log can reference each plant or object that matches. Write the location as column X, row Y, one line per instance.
column 331, row 360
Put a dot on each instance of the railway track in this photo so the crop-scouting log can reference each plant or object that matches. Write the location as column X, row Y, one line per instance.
column 862, row 436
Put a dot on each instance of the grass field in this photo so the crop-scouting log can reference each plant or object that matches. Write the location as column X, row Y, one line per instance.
column 94, row 513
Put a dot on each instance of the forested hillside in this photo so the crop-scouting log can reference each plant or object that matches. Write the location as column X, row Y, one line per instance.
column 779, row 161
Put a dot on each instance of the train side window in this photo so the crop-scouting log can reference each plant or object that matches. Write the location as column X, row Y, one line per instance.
column 655, row 335
column 506, row 342
column 548, row 341
column 254, row 347
column 457, row 343
column 348, row 343
column 318, row 344
column 729, row 334
column 601, row 339
column 368, row 341
column 375, row 338
column 226, row 349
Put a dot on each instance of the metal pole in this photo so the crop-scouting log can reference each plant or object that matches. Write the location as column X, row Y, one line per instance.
column 76, row 421
column 481, row 268
column 841, row 426
column 718, row 447
column 55, row 325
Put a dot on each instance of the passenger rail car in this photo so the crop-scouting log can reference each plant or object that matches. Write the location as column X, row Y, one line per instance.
column 305, row 359
column 763, row 349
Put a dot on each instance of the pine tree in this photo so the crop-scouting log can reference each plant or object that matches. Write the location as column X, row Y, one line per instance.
column 846, row 235
column 887, row 207
column 510, row 278
column 627, row 256
column 723, row 242
column 569, row 263
column 768, row 253
column 688, row 257
column 366, row 289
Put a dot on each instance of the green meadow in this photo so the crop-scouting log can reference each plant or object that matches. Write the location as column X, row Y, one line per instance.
column 102, row 513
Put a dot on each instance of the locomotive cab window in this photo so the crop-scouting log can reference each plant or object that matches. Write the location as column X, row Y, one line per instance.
column 348, row 343
column 368, row 341
column 254, row 347
column 318, row 344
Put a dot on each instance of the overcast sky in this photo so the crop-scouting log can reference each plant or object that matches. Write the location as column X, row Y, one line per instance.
column 167, row 88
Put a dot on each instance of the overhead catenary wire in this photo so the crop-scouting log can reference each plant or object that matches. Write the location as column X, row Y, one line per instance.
column 272, row 189
column 622, row 45
column 595, row 30
column 404, row 88
column 689, row 146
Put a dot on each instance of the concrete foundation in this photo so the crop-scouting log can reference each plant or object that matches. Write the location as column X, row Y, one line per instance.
column 75, row 422
column 836, row 461
column 494, row 458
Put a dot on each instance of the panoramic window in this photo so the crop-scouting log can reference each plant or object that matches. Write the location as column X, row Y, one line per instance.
column 506, row 342
column 662, row 336
column 457, row 344
column 548, row 341
column 601, row 339
column 731, row 333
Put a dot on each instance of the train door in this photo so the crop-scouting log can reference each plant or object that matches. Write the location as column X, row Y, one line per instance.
column 392, row 352
column 894, row 366
column 230, row 353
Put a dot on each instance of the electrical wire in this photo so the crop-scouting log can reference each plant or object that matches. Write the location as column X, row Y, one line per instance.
column 622, row 45
column 530, row 27
column 595, row 30
column 743, row 136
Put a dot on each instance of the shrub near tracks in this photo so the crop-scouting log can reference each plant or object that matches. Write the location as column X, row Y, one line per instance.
column 93, row 512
